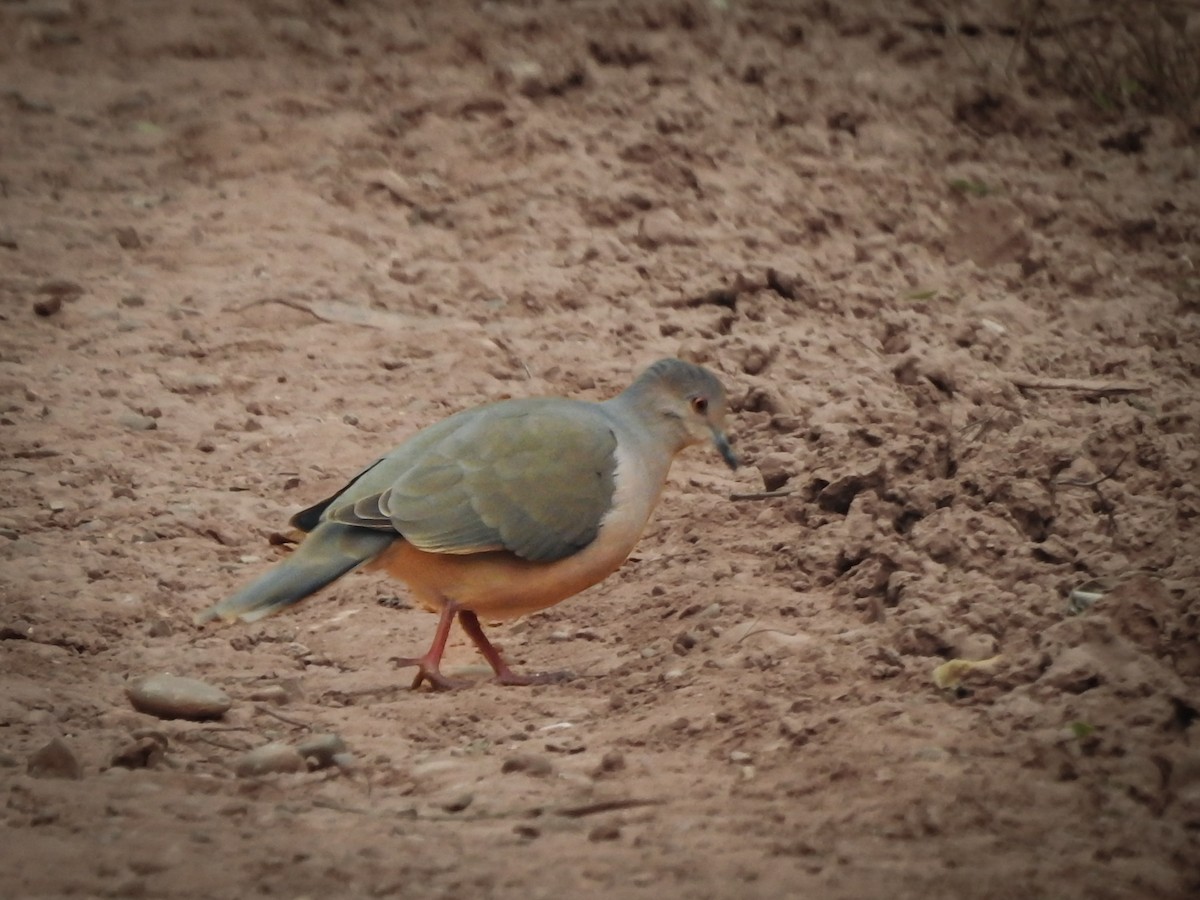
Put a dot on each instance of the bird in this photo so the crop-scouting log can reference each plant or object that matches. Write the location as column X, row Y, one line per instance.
column 502, row 509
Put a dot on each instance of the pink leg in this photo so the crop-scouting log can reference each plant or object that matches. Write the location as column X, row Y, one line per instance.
column 504, row 675
column 429, row 665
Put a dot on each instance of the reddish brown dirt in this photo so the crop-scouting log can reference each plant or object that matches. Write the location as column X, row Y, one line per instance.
column 286, row 234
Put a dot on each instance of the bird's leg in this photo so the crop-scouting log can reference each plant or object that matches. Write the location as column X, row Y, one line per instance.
column 429, row 665
column 504, row 675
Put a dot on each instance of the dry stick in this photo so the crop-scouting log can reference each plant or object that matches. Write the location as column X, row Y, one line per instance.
column 282, row 718
column 1094, row 485
column 982, row 428
column 602, row 806
column 219, row 744
column 570, row 812
column 761, row 495
column 1090, row 385
column 354, row 693
column 757, row 631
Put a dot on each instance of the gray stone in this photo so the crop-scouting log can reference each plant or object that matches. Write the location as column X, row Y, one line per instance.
column 269, row 758
column 322, row 749
column 174, row 697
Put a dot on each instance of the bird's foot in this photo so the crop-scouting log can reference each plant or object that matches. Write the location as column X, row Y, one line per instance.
column 427, row 670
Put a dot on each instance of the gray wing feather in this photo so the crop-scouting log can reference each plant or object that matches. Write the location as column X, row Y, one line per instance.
column 534, row 477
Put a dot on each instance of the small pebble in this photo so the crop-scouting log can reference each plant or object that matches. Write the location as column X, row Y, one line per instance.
column 68, row 290
column 159, row 628
column 776, row 469
column 128, row 238
column 537, row 766
column 663, row 226
column 612, row 761
column 344, row 761
column 272, row 693
column 321, row 749
column 136, row 422
column 273, row 757
column 459, row 803
column 48, row 306
column 684, row 642
column 146, row 752
column 173, row 697
column 604, row 833
column 55, row 760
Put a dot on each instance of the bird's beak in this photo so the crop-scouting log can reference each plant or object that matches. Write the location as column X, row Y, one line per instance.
column 726, row 451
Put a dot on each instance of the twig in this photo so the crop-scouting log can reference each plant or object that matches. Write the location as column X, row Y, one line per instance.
column 603, row 806
column 367, row 691
column 1106, row 476
column 219, row 744
column 281, row 717
column 282, row 301
column 570, row 812
column 982, row 427
column 1094, row 485
column 1089, row 385
column 758, row 631
column 762, row 495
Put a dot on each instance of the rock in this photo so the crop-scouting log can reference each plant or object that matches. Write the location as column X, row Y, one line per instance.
column 537, row 766
column 136, row 422
column 612, row 761
column 61, row 288
column 322, row 750
column 273, row 757
column 526, row 75
column 755, row 359
column 182, row 382
column 604, row 833
column 776, row 470
column 128, row 238
column 145, row 752
column 663, row 226
column 458, row 803
column 272, row 693
column 173, row 697
column 55, row 760
column 837, row 496
column 534, row 78
column 48, row 306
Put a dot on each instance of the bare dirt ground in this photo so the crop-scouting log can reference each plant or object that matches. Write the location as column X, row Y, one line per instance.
column 244, row 248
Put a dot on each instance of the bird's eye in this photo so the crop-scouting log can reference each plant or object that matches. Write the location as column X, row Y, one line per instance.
column 700, row 405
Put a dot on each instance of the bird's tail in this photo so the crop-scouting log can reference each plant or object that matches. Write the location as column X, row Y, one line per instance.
column 328, row 552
